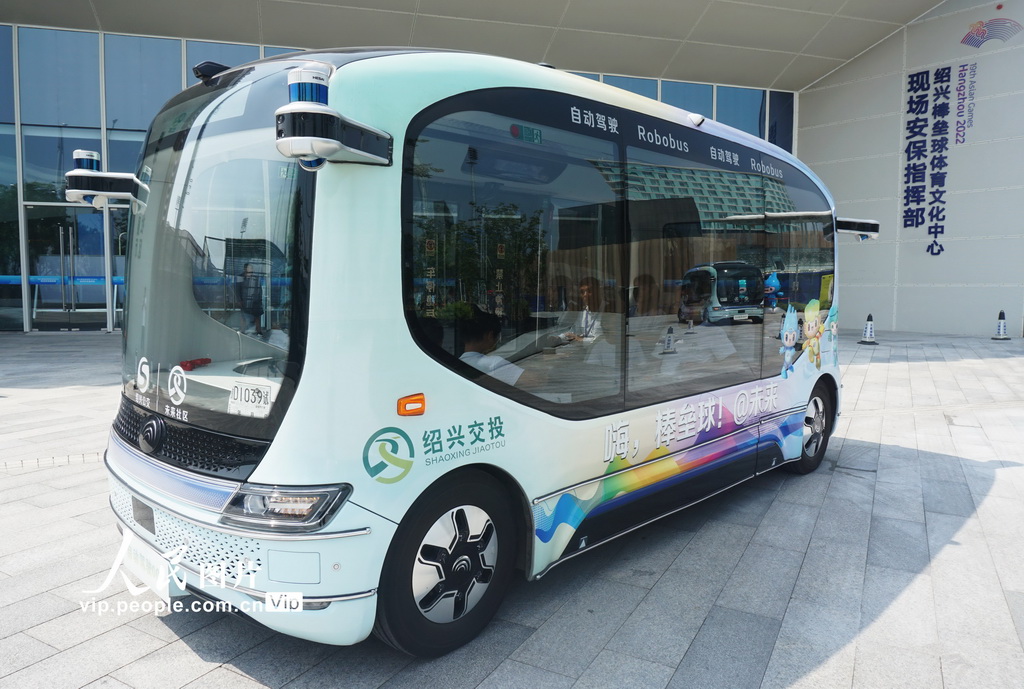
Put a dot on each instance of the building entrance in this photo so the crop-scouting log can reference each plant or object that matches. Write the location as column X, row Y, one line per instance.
column 72, row 283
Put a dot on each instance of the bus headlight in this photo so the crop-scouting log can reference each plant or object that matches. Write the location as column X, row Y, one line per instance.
column 292, row 509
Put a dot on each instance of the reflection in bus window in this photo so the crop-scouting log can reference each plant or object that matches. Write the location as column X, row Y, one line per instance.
column 708, row 266
column 528, row 230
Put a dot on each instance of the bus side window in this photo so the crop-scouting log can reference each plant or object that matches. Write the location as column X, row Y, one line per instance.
column 679, row 210
column 514, row 232
column 800, row 253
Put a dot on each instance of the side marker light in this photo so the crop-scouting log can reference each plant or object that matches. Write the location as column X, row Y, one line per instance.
column 412, row 405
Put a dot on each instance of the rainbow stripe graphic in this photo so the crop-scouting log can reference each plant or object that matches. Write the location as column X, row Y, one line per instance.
column 572, row 509
column 1003, row 29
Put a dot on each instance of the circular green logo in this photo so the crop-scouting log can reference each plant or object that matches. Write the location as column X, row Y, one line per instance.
column 388, row 455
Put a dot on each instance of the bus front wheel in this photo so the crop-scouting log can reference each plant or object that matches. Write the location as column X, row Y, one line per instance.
column 817, row 429
column 448, row 567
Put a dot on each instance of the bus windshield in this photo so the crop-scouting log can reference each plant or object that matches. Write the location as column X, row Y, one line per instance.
column 215, row 311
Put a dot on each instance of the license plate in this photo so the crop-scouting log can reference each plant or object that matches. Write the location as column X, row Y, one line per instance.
column 143, row 515
column 248, row 399
column 149, row 567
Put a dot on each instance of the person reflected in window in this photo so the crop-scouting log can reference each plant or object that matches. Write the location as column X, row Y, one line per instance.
column 250, row 300
column 480, row 335
column 645, row 297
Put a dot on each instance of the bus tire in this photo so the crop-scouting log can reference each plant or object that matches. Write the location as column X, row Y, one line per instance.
column 448, row 566
column 817, row 429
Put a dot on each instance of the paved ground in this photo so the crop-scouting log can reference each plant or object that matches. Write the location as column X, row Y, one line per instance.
column 899, row 563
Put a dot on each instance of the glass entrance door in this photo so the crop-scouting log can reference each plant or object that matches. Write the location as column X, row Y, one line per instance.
column 119, row 250
column 67, row 278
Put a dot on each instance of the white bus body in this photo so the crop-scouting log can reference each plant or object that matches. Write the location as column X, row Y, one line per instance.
column 307, row 430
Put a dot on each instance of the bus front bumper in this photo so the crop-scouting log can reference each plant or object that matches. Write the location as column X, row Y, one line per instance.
column 341, row 620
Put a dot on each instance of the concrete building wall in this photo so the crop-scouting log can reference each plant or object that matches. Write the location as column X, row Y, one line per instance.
column 854, row 129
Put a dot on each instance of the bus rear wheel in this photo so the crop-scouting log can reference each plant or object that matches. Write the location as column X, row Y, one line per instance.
column 448, row 567
column 817, row 429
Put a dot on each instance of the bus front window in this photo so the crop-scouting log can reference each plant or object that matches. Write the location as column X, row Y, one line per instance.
column 215, row 313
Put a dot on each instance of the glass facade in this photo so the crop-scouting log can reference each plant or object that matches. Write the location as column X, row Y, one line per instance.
column 644, row 87
column 10, row 244
column 62, row 90
column 741, row 108
column 765, row 114
column 699, row 98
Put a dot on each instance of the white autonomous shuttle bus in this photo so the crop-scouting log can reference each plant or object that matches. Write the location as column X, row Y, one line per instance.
column 384, row 344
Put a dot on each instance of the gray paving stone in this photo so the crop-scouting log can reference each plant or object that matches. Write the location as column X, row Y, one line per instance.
column 787, row 525
column 173, row 626
column 832, row 575
column 814, row 647
column 808, row 490
column 853, row 485
column 841, row 520
column 36, row 475
column 31, row 535
column 645, row 555
column 898, row 609
column 731, row 651
column 512, row 674
column 87, row 662
column 859, row 456
column 464, row 667
column 364, row 666
column 745, row 504
column 887, row 666
column 106, row 682
column 666, row 621
column 947, row 497
column 98, row 486
column 185, row 660
column 1015, row 601
column 279, row 659
column 898, row 544
column 530, row 604
column 56, row 574
column 90, row 539
column 993, row 666
column 971, row 608
column 27, row 613
column 941, row 466
column 762, row 582
column 102, row 517
column 223, row 678
column 570, row 640
column 82, row 624
column 611, row 670
column 20, row 650
column 899, row 500
column 989, row 479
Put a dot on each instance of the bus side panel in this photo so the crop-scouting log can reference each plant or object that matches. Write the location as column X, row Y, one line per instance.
column 624, row 501
column 780, row 440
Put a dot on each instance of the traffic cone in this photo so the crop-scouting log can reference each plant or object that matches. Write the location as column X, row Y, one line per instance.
column 868, row 338
column 1001, row 327
column 689, row 328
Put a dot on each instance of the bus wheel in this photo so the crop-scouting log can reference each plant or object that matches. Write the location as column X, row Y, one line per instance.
column 448, row 567
column 817, row 429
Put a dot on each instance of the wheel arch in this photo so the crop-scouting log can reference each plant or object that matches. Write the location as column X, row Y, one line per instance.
column 516, row 496
column 832, row 387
